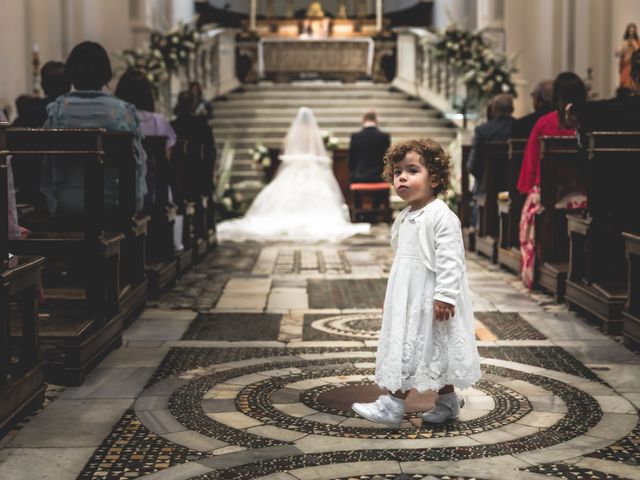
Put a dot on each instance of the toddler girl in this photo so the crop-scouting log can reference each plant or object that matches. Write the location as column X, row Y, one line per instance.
column 427, row 341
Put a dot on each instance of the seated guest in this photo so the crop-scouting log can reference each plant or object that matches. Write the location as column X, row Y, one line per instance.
column 193, row 128
column 134, row 87
column 88, row 69
column 541, row 99
column 54, row 83
column 187, row 124
column 203, row 107
column 12, row 214
column 26, row 106
column 568, row 89
column 495, row 130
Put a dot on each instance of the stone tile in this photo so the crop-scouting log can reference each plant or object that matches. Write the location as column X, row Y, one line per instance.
column 612, row 468
column 288, row 298
column 248, row 286
column 295, row 409
column 151, row 403
column 614, row 404
column 242, row 301
column 236, row 420
column 164, row 314
column 43, row 463
column 504, row 434
column 135, row 357
column 148, row 329
column 87, row 421
column 570, row 449
column 185, row 471
column 613, row 426
column 348, row 470
column 276, row 433
column 195, row 441
column 111, row 382
column 541, row 419
column 547, row 403
column 160, row 421
column 234, row 326
column 239, row 458
column 229, row 449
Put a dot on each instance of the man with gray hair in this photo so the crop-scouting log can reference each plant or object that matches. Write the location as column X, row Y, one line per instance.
column 498, row 129
column 541, row 100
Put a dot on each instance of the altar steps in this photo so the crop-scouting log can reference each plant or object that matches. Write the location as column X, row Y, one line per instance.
column 263, row 113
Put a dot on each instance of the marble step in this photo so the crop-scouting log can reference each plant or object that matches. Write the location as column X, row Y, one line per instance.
column 314, row 85
column 353, row 124
column 340, row 132
column 284, row 94
column 313, row 102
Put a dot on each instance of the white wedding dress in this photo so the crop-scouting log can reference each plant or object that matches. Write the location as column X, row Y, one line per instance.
column 303, row 202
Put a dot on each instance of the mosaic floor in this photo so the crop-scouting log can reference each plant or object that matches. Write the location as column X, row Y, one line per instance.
column 248, row 367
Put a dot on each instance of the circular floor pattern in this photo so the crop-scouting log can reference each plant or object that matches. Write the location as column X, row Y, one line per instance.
column 251, row 410
column 255, row 401
column 364, row 326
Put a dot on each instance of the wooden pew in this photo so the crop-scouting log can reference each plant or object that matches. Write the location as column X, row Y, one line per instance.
column 21, row 370
column 597, row 280
column 120, row 155
column 466, row 201
column 510, row 209
column 161, row 264
column 562, row 168
column 80, row 321
column 631, row 312
column 178, row 181
column 198, row 188
column 494, row 181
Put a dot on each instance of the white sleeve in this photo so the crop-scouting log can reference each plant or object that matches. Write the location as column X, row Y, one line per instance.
column 449, row 251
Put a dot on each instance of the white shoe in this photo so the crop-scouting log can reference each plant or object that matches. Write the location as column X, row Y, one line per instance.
column 447, row 408
column 386, row 409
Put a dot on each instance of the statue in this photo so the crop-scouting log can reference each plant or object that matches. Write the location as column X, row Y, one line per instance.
column 630, row 45
column 342, row 10
column 315, row 10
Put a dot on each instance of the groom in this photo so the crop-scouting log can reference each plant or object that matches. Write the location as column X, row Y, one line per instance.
column 366, row 154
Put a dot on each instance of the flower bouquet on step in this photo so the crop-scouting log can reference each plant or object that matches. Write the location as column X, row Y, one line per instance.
column 331, row 142
column 451, row 193
column 260, row 156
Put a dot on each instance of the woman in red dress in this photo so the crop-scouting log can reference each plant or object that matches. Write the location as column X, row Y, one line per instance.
column 568, row 89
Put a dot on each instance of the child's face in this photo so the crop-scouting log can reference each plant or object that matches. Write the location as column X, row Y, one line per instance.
column 412, row 181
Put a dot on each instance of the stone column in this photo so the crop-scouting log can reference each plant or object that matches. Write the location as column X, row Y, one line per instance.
column 379, row 15
column 252, row 15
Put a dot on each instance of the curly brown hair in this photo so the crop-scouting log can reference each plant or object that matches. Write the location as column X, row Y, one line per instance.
column 432, row 156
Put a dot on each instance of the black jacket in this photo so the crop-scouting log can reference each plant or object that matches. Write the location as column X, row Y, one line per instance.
column 366, row 154
column 497, row 130
column 522, row 126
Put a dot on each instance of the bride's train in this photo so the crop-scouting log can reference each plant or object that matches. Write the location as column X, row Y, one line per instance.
column 303, row 202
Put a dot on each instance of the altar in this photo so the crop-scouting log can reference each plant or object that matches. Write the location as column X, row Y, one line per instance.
column 348, row 58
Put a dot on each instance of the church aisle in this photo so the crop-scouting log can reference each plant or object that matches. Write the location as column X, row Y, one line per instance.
column 247, row 368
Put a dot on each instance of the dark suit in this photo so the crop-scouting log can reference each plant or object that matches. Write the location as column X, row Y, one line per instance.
column 366, row 154
column 496, row 130
column 522, row 126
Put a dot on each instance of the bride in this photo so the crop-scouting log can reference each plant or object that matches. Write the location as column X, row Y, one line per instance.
column 303, row 202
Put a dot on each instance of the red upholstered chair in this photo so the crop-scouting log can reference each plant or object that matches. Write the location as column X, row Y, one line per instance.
column 370, row 199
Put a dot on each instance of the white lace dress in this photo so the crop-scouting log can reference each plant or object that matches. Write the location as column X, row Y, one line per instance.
column 415, row 350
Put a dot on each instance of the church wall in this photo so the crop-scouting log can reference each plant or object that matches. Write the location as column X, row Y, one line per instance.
column 14, row 52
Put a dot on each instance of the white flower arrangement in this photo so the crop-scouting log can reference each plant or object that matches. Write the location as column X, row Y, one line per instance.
column 330, row 141
column 260, row 156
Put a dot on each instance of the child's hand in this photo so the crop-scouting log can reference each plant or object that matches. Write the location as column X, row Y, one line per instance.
column 443, row 310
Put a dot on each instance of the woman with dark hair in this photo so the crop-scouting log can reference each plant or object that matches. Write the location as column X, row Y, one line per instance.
column 630, row 45
column 203, row 107
column 88, row 69
column 134, row 87
column 568, row 90
column 188, row 125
